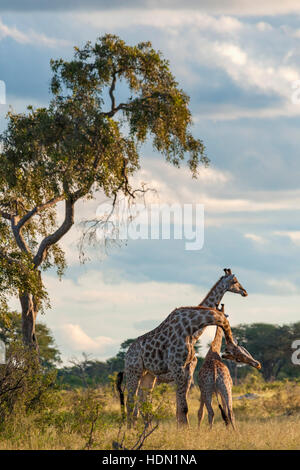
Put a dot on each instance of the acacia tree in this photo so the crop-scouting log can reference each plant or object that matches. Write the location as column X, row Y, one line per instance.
column 83, row 143
column 271, row 345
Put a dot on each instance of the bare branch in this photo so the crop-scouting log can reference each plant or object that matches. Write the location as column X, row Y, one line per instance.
column 111, row 91
column 139, row 444
column 126, row 106
column 113, row 111
column 38, row 209
column 18, row 235
column 58, row 234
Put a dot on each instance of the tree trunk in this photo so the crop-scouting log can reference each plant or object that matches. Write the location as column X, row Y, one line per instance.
column 29, row 313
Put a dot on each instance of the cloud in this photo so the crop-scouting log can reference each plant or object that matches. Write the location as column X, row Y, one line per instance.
column 78, row 340
column 283, row 286
column 220, row 43
column 293, row 235
column 245, row 8
column 145, row 325
column 167, row 19
column 255, row 238
column 30, row 37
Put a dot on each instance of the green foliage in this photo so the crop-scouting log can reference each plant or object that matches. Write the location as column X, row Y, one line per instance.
column 271, row 345
column 90, row 372
column 155, row 105
column 24, row 386
column 85, row 373
column 11, row 332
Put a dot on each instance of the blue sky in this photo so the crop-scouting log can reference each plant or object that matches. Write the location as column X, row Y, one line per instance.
column 237, row 61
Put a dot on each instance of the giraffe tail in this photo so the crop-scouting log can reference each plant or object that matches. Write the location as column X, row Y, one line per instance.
column 224, row 415
column 120, row 378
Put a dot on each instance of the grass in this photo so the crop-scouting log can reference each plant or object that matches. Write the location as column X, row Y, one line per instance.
column 271, row 421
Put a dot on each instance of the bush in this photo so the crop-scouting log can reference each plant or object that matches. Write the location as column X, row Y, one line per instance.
column 24, row 385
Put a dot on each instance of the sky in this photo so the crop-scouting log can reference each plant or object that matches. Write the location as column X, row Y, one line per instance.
column 239, row 62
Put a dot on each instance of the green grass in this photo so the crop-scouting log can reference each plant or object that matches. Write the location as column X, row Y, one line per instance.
column 271, row 421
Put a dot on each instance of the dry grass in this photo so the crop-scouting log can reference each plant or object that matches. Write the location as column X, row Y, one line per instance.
column 271, row 421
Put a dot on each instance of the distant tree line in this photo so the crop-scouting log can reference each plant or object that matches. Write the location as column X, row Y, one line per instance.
column 270, row 344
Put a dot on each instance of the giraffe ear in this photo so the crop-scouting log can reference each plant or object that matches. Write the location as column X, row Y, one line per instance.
column 225, row 270
column 229, row 271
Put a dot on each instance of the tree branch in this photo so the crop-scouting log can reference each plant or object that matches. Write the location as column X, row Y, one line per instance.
column 58, row 234
column 113, row 111
column 111, row 91
column 18, row 235
column 38, row 209
column 114, row 108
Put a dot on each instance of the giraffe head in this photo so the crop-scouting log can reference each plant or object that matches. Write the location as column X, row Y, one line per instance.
column 232, row 284
column 234, row 352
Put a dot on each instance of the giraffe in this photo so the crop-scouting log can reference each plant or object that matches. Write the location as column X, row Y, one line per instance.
column 214, row 377
column 227, row 283
column 169, row 349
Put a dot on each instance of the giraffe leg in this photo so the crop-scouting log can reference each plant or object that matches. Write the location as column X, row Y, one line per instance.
column 144, row 393
column 200, row 411
column 230, row 413
column 210, row 411
column 133, row 382
column 190, row 370
column 181, row 380
column 227, row 403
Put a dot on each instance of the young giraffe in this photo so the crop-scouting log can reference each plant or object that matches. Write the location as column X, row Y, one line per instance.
column 169, row 349
column 214, row 377
column 227, row 283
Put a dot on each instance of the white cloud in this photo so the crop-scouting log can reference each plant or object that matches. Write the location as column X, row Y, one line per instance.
column 215, row 189
column 30, row 37
column 232, row 112
column 263, row 26
column 74, row 336
column 293, row 235
column 283, row 286
column 255, row 238
column 162, row 19
column 208, row 186
column 99, row 311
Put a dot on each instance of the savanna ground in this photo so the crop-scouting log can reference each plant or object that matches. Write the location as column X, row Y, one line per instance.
column 91, row 419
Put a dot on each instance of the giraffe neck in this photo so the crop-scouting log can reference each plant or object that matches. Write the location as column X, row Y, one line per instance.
column 215, row 294
column 217, row 341
column 200, row 320
column 212, row 299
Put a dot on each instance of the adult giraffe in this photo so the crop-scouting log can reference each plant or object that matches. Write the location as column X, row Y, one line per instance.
column 169, row 348
column 227, row 283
